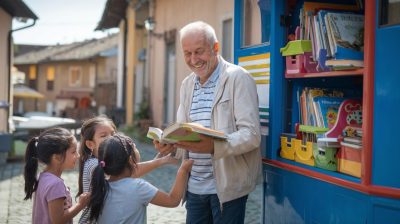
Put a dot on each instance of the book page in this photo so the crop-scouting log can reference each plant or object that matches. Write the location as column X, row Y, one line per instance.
column 154, row 133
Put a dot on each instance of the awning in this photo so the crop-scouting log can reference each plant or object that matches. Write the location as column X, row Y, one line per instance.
column 23, row 91
column 114, row 11
column 17, row 8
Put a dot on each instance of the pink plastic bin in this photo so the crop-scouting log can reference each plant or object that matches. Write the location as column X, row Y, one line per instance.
column 301, row 63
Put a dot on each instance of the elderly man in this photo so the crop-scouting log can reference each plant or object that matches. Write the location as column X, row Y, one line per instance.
column 221, row 96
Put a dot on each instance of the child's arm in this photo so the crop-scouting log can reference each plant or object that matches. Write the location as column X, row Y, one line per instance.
column 59, row 215
column 145, row 167
column 175, row 195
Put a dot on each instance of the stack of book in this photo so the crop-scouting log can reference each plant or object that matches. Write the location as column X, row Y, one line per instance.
column 336, row 32
column 319, row 107
column 352, row 137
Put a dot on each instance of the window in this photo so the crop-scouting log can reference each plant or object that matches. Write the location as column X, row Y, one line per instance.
column 169, row 84
column 50, row 78
column 389, row 12
column 255, row 16
column 92, row 76
column 227, row 35
column 75, row 76
column 32, row 80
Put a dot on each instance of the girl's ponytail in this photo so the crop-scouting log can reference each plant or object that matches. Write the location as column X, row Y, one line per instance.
column 31, row 167
column 99, row 186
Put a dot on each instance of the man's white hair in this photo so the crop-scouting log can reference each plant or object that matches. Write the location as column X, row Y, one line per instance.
column 200, row 27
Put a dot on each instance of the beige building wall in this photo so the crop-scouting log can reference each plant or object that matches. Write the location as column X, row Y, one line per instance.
column 5, row 27
column 174, row 14
column 61, row 81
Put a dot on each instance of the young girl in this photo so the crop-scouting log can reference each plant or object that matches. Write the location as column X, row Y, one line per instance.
column 121, row 198
column 56, row 148
column 93, row 132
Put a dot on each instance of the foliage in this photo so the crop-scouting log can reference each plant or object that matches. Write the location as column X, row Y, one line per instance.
column 144, row 111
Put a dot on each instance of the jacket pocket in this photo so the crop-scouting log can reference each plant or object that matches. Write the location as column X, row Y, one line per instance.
column 223, row 119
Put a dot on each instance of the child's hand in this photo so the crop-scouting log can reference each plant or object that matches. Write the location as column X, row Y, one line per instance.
column 167, row 159
column 84, row 199
column 186, row 165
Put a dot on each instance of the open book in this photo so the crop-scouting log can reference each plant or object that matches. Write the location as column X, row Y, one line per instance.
column 183, row 132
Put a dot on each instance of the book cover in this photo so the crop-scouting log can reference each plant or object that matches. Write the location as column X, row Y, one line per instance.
column 325, row 30
column 328, row 109
column 183, row 132
column 347, row 30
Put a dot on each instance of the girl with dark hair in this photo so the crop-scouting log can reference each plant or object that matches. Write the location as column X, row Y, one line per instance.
column 121, row 198
column 56, row 149
column 93, row 132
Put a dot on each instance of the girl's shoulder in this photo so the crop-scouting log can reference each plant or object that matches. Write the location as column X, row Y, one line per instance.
column 50, row 182
column 49, row 177
column 134, row 184
column 90, row 163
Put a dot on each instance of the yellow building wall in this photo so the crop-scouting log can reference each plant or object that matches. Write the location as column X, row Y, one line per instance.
column 135, row 42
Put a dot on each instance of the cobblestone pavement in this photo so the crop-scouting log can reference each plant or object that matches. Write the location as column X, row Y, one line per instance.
column 14, row 210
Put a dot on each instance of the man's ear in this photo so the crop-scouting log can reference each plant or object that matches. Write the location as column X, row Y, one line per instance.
column 216, row 47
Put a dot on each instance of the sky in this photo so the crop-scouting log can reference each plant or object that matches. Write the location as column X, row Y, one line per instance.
column 61, row 22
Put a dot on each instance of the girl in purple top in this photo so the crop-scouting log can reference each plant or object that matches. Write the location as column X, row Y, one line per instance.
column 52, row 203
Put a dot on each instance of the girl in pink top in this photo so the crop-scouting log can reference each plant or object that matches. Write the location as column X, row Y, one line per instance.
column 52, row 203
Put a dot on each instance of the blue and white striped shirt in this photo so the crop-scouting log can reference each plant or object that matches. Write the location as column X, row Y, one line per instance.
column 202, row 179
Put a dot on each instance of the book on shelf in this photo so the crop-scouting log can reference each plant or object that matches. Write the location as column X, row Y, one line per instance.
column 326, row 32
column 310, row 8
column 347, row 35
column 310, row 110
column 353, row 140
column 327, row 110
column 183, row 132
column 335, row 31
column 353, row 146
column 345, row 62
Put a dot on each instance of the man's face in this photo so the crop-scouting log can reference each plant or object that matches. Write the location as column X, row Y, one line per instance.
column 199, row 55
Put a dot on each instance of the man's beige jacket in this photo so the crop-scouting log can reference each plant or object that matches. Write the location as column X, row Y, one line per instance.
column 237, row 161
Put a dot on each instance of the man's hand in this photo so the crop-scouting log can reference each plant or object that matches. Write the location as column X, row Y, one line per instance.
column 164, row 149
column 206, row 145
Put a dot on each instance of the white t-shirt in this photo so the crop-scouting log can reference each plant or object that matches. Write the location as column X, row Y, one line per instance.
column 126, row 201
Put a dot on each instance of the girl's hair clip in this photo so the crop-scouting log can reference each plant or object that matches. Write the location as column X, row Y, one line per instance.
column 102, row 163
column 36, row 140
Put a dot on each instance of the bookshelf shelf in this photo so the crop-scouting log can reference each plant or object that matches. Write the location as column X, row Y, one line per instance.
column 356, row 72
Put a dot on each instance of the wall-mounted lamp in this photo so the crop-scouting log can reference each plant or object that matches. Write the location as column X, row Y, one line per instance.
column 150, row 24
